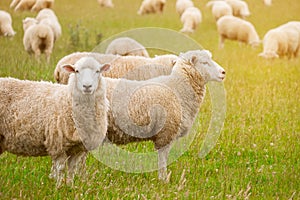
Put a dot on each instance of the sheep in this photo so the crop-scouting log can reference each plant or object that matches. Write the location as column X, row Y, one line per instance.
column 151, row 6
column 219, row 8
column 47, row 16
column 6, row 28
column 106, row 3
column 41, row 4
column 126, row 46
column 239, row 8
column 181, row 5
column 234, row 28
column 282, row 41
column 190, row 18
column 38, row 38
column 62, row 121
column 24, row 5
column 268, row 2
column 180, row 94
column 120, row 65
column 14, row 3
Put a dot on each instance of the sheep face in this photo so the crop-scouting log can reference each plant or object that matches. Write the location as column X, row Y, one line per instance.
column 206, row 66
column 87, row 74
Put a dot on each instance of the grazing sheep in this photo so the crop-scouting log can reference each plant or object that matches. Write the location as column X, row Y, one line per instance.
column 48, row 17
column 24, row 5
column 120, row 65
column 190, row 18
column 106, row 3
column 151, row 6
column 268, row 2
column 282, row 41
column 126, row 46
column 182, row 5
column 6, row 24
column 219, row 8
column 41, row 4
column 239, row 8
column 234, row 28
column 38, row 38
column 133, row 116
column 62, row 121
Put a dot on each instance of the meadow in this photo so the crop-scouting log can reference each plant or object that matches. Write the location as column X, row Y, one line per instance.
column 257, row 155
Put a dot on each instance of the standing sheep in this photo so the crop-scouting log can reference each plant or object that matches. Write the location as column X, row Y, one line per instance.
column 182, row 5
column 41, row 4
column 163, row 108
column 120, row 65
column 106, row 3
column 47, row 16
column 151, row 6
column 38, row 38
column 62, row 121
column 126, row 46
column 234, row 28
column 282, row 41
column 190, row 18
column 219, row 8
column 6, row 24
column 239, row 8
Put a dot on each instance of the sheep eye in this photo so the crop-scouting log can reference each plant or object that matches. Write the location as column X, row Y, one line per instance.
column 205, row 63
column 76, row 71
column 98, row 71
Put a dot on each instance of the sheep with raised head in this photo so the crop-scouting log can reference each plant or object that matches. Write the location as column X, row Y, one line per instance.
column 151, row 6
column 134, row 115
column 126, row 46
column 41, row 4
column 38, row 38
column 239, row 8
column 47, row 16
column 282, row 41
column 219, row 8
column 190, row 19
column 182, row 5
column 6, row 28
column 106, row 3
column 62, row 121
column 234, row 28
column 120, row 65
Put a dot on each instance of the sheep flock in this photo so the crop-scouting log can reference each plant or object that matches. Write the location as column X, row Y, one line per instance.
column 98, row 98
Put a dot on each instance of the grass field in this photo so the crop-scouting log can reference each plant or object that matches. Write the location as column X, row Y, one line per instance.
column 258, row 153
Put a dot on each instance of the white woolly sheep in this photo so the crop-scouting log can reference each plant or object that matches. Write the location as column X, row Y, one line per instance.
column 120, row 65
column 190, row 18
column 24, row 5
column 41, row 4
column 125, row 46
column 239, row 8
column 234, row 28
column 282, row 41
column 182, row 5
column 48, row 17
column 6, row 28
column 62, row 121
column 106, row 3
column 219, row 8
column 151, row 6
column 38, row 38
column 179, row 94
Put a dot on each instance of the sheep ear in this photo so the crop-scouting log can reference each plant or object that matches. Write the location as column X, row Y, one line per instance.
column 69, row 68
column 105, row 67
column 193, row 60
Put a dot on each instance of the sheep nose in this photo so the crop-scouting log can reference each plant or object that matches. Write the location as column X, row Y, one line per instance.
column 223, row 72
column 87, row 87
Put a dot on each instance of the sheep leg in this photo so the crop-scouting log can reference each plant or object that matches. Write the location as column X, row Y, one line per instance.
column 76, row 163
column 221, row 42
column 162, row 163
column 59, row 167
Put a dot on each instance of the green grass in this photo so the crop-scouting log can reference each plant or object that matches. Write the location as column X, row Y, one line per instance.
column 257, row 154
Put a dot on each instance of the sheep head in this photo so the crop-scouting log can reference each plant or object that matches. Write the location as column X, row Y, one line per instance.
column 86, row 72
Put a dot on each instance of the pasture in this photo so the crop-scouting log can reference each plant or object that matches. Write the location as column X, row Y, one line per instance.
column 257, row 155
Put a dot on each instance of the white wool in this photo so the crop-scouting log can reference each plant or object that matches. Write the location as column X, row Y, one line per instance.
column 106, row 3
column 47, row 16
column 41, row 4
column 24, row 5
column 182, row 5
column 219, row 8
column 190, row 19
column 151, row 6
column 6, row 28
column 239, row 8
